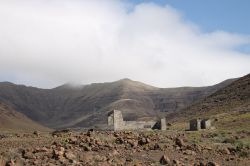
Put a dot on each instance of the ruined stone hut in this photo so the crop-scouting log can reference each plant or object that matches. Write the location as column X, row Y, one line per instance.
column 116, row 122
column 198, row 124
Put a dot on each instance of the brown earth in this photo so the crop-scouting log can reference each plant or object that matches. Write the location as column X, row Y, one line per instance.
column 12, row 120
column 124, row 148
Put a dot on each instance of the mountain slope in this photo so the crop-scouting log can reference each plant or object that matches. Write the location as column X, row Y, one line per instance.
column 13, row 120
column 232, row 99
column 77, row 106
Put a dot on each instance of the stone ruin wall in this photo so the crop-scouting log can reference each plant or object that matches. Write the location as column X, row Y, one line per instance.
column 116, row 120
column 195, row 124
column 198, row 124
column 110, row 120
column 206, row 124
column 163, row 124
column 133, row 125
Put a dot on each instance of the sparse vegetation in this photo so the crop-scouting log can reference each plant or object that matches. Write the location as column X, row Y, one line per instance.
column 244, row 154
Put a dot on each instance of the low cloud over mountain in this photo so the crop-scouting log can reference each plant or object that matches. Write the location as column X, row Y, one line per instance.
column 47, row 43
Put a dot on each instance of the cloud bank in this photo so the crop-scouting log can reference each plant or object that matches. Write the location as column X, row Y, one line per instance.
column 47, row 43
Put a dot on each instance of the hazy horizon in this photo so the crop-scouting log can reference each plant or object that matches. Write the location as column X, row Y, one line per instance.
column 75, row 84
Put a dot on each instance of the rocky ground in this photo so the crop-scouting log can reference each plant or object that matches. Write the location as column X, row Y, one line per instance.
column 129, row 148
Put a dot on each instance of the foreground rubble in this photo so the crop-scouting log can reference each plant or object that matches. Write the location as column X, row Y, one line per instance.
column 119, row 148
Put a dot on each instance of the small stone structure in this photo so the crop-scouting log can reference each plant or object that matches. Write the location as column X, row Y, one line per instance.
column 115, row 120
column 163, row 124
column 198, row 124
column 206, row 124
column 195, row 124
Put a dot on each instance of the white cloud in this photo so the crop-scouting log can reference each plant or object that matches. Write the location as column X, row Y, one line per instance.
column 46, row 43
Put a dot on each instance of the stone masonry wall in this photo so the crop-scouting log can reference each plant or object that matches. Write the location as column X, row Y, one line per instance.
column 163, row 124
column 134, row 125
column 115, row 119
column 118, row 120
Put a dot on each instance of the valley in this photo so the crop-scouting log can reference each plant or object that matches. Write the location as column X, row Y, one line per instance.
column 67, row 125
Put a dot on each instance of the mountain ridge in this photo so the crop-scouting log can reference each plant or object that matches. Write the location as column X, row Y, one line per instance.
column 65, row 106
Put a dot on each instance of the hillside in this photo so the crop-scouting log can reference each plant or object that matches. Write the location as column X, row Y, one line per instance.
column 230, row 104
column 81, row 106
column 12, row 120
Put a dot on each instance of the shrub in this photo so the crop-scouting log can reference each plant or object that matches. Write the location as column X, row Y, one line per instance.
column 244, row 154
column 229, row 140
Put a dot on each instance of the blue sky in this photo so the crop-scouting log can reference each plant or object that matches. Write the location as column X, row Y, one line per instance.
column 228, row 15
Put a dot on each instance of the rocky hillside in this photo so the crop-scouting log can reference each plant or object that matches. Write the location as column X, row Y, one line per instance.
column 232, row 99
column 81, row 106
column 13, row 120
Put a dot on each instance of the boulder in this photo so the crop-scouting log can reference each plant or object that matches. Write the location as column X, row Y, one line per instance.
column 212, row 164
column 179, row 142
column 70, row 155
column 36, row 133
column 2, row 161
column 165, row 160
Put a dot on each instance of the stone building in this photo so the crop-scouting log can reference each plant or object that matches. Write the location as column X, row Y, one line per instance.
column 206, row 124
column 195, row 124
column 115, row 120
column 198, row 124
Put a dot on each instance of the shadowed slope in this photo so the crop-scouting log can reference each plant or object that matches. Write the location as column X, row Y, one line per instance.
column 229, row 102
column 13, row 120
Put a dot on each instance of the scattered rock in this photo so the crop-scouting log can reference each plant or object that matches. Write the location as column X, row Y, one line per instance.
column 72, row 140
column 69, row 155
column 121, row 148
column 225, row 150
column 39, row 150
column 95, row 148
column 100, row 158
column 86, row 157
column 28, row 155
column 133, row 143
column 59, row 133
column 114, row 153
column 10, row 163
column 165, row 160
column 189, row 152
column 179, row 142
column 2, row 161
column 58, row 153
column 199, row 164
column 144, row 141
column 212, row 164
column 90, row 130
column 86, row 148
column 119, row 140
column 2, row 136
column 36, row 133
column 176, row 163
